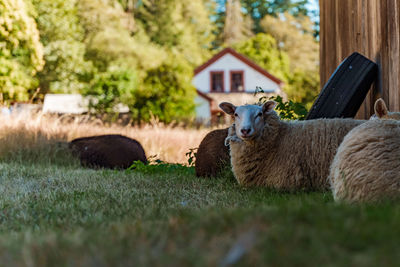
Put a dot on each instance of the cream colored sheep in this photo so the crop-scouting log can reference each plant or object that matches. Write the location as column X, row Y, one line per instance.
column 382, row 112
column 367, row 164
column 267, row 151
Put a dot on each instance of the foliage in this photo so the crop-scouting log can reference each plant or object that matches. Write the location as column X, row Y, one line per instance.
column 237, row 27
column 192, row 155
column 258, row 9
column 264, row 50
column 109, row 89
column 107, row 34
column 157, row 166
column 177, row 25
column 64, row 50
column 167, row 39
column 295, row 36
column 287, row 110
column 166, row 92
column 304, row 87
column 21, row 53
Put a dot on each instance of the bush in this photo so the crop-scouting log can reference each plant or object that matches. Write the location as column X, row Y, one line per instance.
column 111, row 88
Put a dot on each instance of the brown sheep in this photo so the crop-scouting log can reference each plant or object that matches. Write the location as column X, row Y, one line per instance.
column 212, row 154
column 107, row 151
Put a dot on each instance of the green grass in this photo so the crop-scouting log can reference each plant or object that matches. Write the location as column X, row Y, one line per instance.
column 65, row 215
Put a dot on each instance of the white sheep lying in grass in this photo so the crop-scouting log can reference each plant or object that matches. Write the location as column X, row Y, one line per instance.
column 366, row 166
column 285, row 155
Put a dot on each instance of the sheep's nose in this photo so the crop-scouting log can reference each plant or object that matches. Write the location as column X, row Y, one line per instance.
column 245, row 131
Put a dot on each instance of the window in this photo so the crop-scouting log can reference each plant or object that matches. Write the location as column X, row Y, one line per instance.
column 237, row 81
column 217, row 81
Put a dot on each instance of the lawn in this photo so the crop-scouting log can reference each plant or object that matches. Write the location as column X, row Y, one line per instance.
column 56, row 213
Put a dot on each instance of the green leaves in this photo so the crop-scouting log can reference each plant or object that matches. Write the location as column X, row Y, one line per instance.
column 287, row 110
column 264, row 50
column 21, row 53
column 191, row 155
column 109, row 89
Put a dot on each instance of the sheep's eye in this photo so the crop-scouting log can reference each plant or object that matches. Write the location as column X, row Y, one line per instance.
column 236, row 115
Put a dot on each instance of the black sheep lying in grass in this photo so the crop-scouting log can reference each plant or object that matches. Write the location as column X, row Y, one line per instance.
column 108, row 151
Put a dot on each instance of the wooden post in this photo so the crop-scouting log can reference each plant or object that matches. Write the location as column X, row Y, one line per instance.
column 371, row 28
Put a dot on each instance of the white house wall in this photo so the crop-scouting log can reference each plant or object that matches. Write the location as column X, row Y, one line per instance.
column 202, row 108
column 227, row 63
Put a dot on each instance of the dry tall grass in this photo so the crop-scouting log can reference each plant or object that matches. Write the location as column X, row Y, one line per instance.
column 36, row 135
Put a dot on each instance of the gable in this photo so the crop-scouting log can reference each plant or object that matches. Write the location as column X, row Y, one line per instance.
column 240, row 57
column 228, row 64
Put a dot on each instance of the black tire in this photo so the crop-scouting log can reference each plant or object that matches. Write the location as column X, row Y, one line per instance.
column 346, row 89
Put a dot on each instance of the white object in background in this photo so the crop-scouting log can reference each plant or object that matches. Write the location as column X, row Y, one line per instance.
column 65, row 104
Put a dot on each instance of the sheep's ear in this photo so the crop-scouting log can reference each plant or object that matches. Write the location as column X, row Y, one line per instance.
column 228, row 108
column 380, row 108
column 268, row 106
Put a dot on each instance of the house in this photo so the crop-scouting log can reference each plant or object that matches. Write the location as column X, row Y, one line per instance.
column 232, row 77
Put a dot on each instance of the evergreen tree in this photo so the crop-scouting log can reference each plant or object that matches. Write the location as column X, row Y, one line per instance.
column 21, row 53
column 237, row 27
column 258, row 9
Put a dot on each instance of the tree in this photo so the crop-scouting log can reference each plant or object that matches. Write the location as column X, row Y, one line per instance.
column 109, row 89
column 177, row 25
column 264, row 50
column 237, row 27
column 166, row 92
column 21, row 53
column 303, row 87
column 295, row 37
column 169, row 38
column 62, row 37
column 258, row 9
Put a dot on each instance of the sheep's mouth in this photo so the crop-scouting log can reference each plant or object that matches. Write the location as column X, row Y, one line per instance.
column 247, row 137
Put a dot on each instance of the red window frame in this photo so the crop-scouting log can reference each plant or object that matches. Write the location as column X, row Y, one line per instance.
column 211, row 80
column 231, row 76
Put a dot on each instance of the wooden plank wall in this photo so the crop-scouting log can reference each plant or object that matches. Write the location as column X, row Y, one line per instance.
column 372, row 28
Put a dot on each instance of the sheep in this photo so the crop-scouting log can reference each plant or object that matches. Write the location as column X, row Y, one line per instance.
column 108, row 151
column 212, row 155
column 267, row 151
column 366, row 166
column 382, row 112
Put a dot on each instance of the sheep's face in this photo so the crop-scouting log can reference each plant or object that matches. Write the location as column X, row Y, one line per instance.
column 249, row 119
column 382, row 112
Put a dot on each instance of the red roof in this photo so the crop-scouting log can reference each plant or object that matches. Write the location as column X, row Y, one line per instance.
column 209, row 99
column 241, row 58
